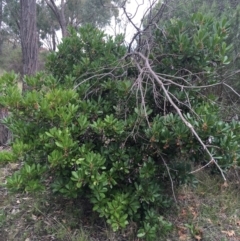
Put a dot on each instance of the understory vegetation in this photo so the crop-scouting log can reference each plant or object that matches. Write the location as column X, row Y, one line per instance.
column 125, row 131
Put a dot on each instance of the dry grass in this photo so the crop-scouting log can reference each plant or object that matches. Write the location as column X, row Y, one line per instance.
column 209, row 211
column 44, row 217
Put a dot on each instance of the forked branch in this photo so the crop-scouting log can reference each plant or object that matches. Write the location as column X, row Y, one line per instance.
column 147, row 68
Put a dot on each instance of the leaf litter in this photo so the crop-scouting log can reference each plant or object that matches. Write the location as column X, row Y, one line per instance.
column 207, row 212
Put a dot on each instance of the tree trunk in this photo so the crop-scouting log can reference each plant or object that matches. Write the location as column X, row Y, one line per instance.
column 4, row 132
column 1, row 17
column 53, row 40
column 28, row 35
column 59, row 14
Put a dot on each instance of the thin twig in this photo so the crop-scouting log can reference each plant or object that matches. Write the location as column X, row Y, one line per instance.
column 234, row 91
column 169, row 174
column 157, row 79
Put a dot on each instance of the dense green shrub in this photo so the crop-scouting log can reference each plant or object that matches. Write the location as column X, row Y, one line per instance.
column 183, row 9
column 87, row 52
column 95, row 139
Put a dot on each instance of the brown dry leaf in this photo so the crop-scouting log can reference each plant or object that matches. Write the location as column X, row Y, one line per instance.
column 224, row 185
column 181, row 197
column 14, row 211
column 193, row 212
column 183, row 213
column 229, row 233
column 238, row 223
column 198, row 237
column 13, row 166
column 209, row 220
column 182, row 233
column 47, row 223
column 183, row 237
column 198, row 233
column 26, row 198
column 194, row 215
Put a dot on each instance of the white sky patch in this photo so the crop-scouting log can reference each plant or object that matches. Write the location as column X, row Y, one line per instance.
column 135, row 10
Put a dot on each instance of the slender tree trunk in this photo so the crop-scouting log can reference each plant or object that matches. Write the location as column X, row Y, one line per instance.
column 53, row 40
column 59, row 14
column 28, row 35
column 1, row 34
column 4, row 132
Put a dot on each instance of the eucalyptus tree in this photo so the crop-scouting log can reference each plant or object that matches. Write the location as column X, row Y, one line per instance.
column 79, row 12
column 11, row 20
column 47, row 26
column 28, row 35
column 1, row 13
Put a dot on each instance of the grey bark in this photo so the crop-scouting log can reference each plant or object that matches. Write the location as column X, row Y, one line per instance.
column 28, row 35
column 53, row 40
column 4, row 132
column 1, row 17
column 59, row 14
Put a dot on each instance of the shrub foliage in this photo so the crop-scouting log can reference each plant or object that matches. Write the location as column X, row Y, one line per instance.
column 83, row 130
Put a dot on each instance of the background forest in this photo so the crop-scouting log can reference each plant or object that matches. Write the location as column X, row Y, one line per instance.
column 104, row 139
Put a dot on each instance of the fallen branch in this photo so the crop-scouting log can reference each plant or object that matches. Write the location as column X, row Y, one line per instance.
column 148, row 68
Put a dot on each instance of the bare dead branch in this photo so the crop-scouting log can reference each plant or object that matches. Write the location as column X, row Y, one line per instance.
column 231, row 88
column 170, row 177
column 189, row 125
